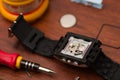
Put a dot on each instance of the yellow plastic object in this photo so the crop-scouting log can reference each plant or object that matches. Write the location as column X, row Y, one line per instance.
column 22, row 8
column 17, row 2
column 31, row 16
column 19, row 59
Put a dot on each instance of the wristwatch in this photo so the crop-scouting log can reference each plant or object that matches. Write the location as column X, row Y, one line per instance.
column 74, row 49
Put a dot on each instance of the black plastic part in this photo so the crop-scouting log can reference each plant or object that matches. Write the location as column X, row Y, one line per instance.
column 105, row 67
column 94, row 57
column 32, row 38
column 90, row 55
column 116, row 75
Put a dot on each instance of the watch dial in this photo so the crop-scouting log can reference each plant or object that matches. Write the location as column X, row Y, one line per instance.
column 76, row 47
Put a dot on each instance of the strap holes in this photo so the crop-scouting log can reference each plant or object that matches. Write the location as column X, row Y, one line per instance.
column 32, row 38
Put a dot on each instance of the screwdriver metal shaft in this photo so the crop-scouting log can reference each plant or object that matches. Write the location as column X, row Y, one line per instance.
column 34, row 66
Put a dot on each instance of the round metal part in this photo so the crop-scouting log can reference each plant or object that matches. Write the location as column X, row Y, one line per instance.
column 68, row 20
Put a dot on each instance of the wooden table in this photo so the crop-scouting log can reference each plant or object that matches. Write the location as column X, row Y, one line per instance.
column 89, row 23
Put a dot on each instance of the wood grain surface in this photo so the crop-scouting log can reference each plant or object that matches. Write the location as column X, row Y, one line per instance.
column 90, row 22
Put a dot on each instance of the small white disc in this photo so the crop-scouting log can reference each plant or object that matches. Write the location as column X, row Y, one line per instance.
column 68, row 21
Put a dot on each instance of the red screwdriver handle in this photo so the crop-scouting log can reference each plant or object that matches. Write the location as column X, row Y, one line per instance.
column 8, row 59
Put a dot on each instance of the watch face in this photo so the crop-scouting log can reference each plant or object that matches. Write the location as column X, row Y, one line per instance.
column 76, row 47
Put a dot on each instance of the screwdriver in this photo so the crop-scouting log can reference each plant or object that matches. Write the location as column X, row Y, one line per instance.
column 15, row 61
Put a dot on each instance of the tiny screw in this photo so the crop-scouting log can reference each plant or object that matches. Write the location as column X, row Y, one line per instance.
column 77, row 78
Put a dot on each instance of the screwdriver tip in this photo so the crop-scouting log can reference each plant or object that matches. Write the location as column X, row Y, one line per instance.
column 52, row 72
column 47, row 70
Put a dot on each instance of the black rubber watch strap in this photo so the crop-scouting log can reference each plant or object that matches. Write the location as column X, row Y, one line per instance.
column 32, row 38
column 35, row 40
column 105, row 67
